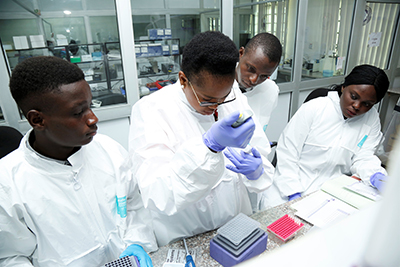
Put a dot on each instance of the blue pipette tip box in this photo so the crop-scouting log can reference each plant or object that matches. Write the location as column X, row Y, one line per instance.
column 227, row 259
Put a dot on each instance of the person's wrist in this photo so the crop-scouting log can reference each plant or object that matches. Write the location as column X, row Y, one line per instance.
column 212, row 145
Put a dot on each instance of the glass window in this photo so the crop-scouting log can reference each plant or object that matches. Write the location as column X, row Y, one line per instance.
column 276, row 17
column 185, row 27
column 158, row 55
column 142, row 23
column 379, row 26
column 91, row 42
column 71, row 28
column 327, row 38
column 104, row 29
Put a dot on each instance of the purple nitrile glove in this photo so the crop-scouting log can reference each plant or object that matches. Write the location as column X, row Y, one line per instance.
column 249, row 165
column 139, row 253
column 378, row 180
column 222, row 134
column 294, row 196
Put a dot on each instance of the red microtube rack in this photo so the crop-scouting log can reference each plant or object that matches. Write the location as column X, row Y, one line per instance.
column 285, row 227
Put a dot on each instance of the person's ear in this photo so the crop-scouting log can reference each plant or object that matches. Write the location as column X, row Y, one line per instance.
column 183, row 80
column 35, row 119
column 241, row 52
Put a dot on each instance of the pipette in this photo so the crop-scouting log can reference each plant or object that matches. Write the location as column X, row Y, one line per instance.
column 189, row 259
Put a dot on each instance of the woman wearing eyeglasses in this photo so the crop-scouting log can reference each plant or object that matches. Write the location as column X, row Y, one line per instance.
column 177, row 136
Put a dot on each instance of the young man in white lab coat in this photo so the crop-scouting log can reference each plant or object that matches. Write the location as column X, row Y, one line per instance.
column 176, row 138
column 67, row 197
column 258, row 61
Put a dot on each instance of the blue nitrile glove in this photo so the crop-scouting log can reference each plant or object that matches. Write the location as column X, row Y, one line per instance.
column 222, row 134
column 136, row 250
column 294, row 196
column 378, row 180
column 249, row 165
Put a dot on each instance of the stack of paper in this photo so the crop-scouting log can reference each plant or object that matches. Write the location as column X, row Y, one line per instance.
column 337, row 199
column 321, row 209
column 351, row 191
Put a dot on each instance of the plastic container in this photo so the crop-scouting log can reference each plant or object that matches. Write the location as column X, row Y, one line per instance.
column 237, row 229
column 127, row 261
column 285, row 228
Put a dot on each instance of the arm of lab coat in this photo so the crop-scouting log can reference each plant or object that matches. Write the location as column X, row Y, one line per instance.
column 170, row 182
column 172, row 174
column 136, row 228
column 17, row 241
column 288, row 151
column 364, row 162
column 139, row 228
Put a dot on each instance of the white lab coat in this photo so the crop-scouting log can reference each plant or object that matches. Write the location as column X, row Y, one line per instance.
column 318, row 144
column 263, row 99
column 46, row 221
column 187, row 186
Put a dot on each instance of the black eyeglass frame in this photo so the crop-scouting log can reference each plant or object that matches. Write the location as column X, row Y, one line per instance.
column 209, row 104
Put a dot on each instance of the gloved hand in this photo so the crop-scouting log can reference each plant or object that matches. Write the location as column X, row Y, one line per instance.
column 249, row 165
column 136, row 250
column 378, row 180
column 294, row 196
column 222, row 134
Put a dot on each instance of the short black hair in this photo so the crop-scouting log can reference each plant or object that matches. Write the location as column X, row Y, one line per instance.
column 370, row 75
column 36, row 76
column 269, row 43
column 209, row 51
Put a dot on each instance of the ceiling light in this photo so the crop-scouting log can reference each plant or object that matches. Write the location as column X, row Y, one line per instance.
column 67, row 12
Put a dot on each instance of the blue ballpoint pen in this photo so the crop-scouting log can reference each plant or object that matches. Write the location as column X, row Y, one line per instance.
column 189, row 259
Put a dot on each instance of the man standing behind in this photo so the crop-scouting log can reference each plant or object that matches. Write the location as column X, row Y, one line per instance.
column 258, row 60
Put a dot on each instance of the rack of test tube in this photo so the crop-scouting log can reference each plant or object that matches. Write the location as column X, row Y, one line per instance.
column 127, row 261
column 285, row 228
column 238, row 240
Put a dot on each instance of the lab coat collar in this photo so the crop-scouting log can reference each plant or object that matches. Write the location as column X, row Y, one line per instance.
column 44, row 164
column 334, row 96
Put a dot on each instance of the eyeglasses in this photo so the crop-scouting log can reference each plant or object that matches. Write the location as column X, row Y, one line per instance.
column 209, row 104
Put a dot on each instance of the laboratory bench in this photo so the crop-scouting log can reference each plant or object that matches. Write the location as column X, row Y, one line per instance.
column 201, row 243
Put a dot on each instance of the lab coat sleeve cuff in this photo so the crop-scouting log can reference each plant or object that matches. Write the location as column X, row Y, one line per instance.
column 262, row 183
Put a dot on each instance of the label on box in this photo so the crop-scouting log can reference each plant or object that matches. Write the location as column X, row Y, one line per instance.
column 175, row 49
column 179, row 255
column 86, row 58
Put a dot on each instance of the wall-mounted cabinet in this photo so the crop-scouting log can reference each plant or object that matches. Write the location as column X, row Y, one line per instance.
column 158, row 63
column 101, row 64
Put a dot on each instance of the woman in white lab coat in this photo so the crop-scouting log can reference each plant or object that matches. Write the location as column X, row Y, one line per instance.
column 330, row 136
column 180, row 170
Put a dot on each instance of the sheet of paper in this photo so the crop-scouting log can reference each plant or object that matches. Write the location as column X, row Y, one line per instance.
column 322, row 209
column 364, row 190
column 179, row 255
column 336, row 188
column 374, row 39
